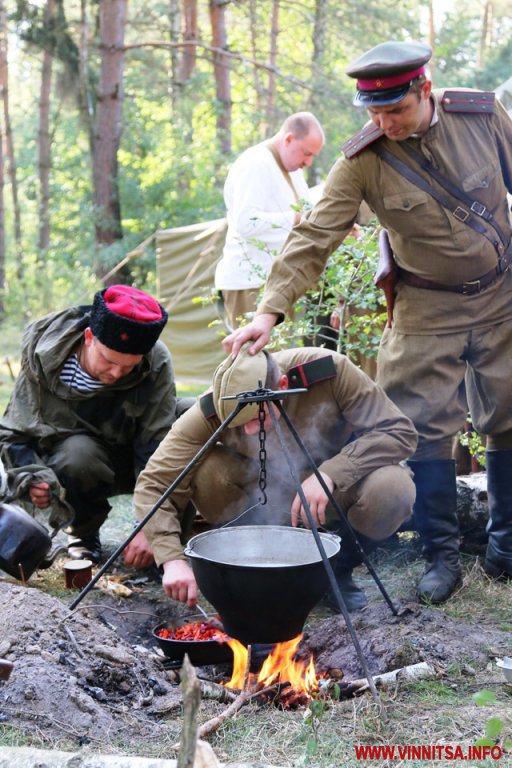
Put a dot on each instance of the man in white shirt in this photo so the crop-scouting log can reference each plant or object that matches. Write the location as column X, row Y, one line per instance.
column 264, row 194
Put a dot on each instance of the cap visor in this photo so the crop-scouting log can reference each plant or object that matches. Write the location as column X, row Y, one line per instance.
column 380, row 98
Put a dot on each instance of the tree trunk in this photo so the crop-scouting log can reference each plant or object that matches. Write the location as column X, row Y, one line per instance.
column 107, row 134
column 316, row 95
column 431, row 35
column 222, row 74
column 271, row 98
column 9, row 146
column 486, row 34
column 85, row 96
column 258, row 89
column 44, row 143
column 174, row 78
column 188, row 61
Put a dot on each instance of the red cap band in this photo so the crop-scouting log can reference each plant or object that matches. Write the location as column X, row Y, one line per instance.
column 385, row 83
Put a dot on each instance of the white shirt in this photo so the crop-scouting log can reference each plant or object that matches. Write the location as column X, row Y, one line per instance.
column 258, row 200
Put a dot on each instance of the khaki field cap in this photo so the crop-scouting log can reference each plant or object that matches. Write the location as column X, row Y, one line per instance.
column 242, row 374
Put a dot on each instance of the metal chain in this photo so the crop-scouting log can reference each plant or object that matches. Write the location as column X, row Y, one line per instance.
column 263, row 453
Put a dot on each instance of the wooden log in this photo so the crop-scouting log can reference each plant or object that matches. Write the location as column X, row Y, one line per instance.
column 191, row 700
column 421, row 671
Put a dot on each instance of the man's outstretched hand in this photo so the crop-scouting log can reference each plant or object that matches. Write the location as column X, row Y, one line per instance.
column 258, row 330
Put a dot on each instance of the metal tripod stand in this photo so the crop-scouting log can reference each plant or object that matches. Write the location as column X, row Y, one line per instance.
column 264, row 397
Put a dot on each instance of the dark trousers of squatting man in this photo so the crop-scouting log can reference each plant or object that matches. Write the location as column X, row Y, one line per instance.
column 433, row 380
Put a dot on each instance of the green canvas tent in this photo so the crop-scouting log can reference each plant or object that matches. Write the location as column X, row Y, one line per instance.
column 186, row 259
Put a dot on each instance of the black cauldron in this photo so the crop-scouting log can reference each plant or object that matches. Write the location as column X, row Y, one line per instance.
column 263, row 580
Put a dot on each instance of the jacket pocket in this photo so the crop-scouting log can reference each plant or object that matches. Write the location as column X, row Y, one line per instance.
column 405, row 201
column 482, row 178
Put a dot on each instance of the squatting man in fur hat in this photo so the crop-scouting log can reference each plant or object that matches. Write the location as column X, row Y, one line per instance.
column 95, row 395
column 356, row 435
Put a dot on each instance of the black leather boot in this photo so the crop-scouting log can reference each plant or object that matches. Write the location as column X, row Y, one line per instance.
column 435, row 518
column 349, row 557
column 85, row 547
column 498, row 558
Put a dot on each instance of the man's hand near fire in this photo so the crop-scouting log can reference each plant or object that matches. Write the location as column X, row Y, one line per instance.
column 138, row 553
column 317, row 499
column 179, row 582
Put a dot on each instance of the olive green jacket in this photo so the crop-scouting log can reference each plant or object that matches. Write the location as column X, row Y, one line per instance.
column 348, row 424
column 473, row 150
column 136, row 411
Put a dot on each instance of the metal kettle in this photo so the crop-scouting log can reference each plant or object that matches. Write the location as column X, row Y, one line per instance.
column 25, row 544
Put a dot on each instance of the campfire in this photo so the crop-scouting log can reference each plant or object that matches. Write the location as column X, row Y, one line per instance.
column 288, row 681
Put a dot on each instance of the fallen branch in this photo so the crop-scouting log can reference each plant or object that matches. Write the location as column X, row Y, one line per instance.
column 211, row 725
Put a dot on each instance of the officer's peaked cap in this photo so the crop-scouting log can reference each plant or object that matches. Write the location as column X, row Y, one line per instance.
column 384, row 74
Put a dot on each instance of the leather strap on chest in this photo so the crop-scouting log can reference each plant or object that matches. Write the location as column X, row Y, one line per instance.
column 312, row 372
column 206, row 405
column 467, row 215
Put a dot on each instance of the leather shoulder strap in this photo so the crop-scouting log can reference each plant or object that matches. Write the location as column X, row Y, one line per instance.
column 469, row 101
column 361, row 140
column 307, row 374
column 207, row 406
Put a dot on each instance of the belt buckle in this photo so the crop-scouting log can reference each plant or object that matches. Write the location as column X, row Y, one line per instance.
column 478, row 208
column 460, row 213
column 470, row 287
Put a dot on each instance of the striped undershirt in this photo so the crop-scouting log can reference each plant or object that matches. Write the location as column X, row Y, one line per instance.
column 74, row 376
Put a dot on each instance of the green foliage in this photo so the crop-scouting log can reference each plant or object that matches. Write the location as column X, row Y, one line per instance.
column 171, row 169
column 314, row 716
column 345, row 289
column 497, row 731
column 473, row 442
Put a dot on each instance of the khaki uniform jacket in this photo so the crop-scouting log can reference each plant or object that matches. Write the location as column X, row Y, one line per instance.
column 348, row 424
column 138, row 410
column 473, row 150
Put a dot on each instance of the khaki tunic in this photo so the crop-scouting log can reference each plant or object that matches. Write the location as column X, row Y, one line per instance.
column 475, row 151
column 354, row 433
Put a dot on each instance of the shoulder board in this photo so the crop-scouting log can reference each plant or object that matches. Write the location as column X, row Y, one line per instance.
column 313, row 372
column 206, row 405
column 468, row 101
column 361, row 139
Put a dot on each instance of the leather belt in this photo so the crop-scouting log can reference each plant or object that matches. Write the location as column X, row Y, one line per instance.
column 468, row 288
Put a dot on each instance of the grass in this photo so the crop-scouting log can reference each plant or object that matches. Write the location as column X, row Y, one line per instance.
column 426, row 712
column 433, row 712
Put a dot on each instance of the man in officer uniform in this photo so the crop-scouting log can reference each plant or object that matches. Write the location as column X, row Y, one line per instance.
column 355, row 434
column 450, row 231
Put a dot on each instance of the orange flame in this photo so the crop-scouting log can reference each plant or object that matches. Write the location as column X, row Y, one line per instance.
column 279, row 666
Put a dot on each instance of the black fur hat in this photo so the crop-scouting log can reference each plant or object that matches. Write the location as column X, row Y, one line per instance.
column 126, row 319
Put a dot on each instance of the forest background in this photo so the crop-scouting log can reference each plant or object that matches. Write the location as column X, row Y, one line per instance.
column 119, row 118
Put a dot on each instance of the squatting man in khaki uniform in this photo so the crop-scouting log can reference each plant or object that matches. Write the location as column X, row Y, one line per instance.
column 355, row 434
column 452, row 326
